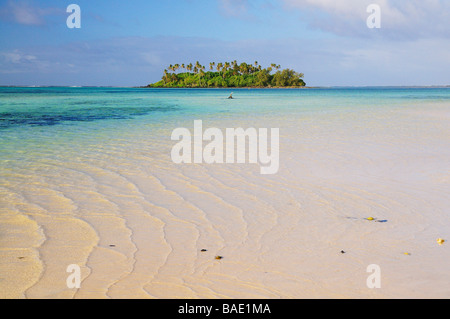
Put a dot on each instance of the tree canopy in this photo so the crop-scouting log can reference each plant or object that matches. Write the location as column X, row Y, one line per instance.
column 228, row 74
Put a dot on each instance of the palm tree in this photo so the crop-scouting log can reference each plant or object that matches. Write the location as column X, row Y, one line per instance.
column 225, row 68
column 202, row 74
column 235, row 67
column 219, row 66
column 198, row 65
column 165, row 76
column 244, row 68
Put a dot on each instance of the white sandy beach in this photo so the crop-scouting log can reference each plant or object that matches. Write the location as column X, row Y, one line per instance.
column 136, row 223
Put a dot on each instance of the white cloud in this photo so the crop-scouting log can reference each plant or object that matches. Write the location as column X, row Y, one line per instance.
column 400, row 19
column 23, row 12
column 17, row 57
column 141, row 60
column 16, row 61
column 234, row 8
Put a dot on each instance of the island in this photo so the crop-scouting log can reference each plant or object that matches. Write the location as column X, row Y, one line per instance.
column 229, row 74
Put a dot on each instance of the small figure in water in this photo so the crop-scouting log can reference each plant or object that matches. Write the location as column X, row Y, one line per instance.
column 231, row 96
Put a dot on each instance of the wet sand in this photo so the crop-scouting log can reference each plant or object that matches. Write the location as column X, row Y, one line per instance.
column 136, row 223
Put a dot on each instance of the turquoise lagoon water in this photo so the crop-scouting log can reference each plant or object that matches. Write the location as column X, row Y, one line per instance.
column 36, row 120
column 84, row 168
column 46, row 107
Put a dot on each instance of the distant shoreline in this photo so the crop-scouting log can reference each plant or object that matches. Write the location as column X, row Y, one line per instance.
column 300, row 88
column 237, row 88
column 234, row 88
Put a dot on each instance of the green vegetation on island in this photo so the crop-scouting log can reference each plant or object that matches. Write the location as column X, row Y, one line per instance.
column 228, row 74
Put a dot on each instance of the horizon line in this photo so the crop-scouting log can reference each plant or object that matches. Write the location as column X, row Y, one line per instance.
column 235, row 88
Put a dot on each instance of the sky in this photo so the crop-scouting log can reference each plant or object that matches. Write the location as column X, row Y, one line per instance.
column 130, row 43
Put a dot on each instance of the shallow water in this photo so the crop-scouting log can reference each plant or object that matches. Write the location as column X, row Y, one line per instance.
column 86, row 178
